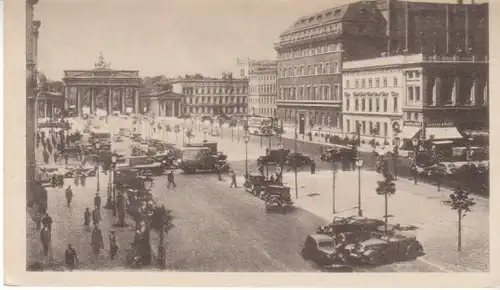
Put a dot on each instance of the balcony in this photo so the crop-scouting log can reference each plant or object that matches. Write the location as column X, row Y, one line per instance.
column 309, row 39
column 438, row 58
column 309, row 103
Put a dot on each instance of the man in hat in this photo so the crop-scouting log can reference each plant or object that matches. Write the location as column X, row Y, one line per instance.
column 86, row 217
column 45, row 237
column 171, row 180
column 69, row 195
column 96, row 216
column 113, row 245
column 47, row 221
column 233, row 178
column 70, row 257
column 96, row 241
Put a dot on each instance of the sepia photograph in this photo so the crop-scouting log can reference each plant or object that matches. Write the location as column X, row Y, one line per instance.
column 323, row 137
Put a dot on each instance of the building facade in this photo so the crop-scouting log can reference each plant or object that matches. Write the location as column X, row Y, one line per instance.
column 213, row 96
column 32, row 27
column 161, row 104
column 373, row 93
column 262, row 88
column 310, row 57
column 49, row 104
column 102, row 90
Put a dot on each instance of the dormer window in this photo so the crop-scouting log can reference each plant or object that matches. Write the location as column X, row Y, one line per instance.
column 328, row 14
column 337, row 12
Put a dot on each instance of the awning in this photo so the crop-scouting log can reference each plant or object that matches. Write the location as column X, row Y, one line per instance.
column 442, row 142
column 443, row 133
column 409, row 132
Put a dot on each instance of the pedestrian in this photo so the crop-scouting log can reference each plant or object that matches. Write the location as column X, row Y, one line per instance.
column 313, row 167
column 113, row 245
column 53, row 180
column 97, row 201
column 218, row 171
column 271, row 179
column 83, row 178
column 69, row 195
column 171, row 179
column 60, row 180
column 70, row 257
column 233, row 179
column 96, row 216
column 47, row 221
column 66, row 157
column 38, row 219
column 45, row 237
column 96, row 241
column 46, row 156
column 86, row 217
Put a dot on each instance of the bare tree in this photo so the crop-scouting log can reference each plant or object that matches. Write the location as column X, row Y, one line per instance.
column 460, row 201
column 386, row 188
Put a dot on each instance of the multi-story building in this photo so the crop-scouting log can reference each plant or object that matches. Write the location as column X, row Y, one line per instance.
column 262, row 88
column 209, row 96
column 310, row 56
column 404, row 95
column 373, row 92
column 32, row 27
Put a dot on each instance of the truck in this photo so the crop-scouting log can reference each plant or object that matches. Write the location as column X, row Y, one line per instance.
column 201, row 158
column 145, row 165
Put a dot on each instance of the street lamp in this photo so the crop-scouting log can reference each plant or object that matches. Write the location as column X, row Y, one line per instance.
column 397, row 142
column 246, row 138
column 112, row 177
column 97, row 146
column 359, row 164
column 414, row 141
column 205, row 135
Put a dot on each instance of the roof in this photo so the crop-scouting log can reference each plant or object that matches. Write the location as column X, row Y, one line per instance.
column 348, row 12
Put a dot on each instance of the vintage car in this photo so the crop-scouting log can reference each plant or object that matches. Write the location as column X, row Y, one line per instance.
column 385, row 249
column 254, row 183
column 322, row 250
column 277, row 197
column 275, row 156
column 298, row 159
column 351, row 224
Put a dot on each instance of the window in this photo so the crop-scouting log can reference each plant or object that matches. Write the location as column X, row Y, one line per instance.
column 363, row 83
column 335, row 67
column 348, row 125
column 309, row 69
column 377, row 82
column 356, row 105
column 327, row 92
column 320, row 68
column 363, row 107
column 364, row 127
column 370, row 128
column 408, row 116
column 347, row 84
column 309, row 92
column 316, row 69
column 395, row 80
column 327, row 67
column 377, row 105
column 370, row 83
column 370, row 105
column 417, row 94
column 410, row 94
column 356, row 84
column 336, row 92
column 347, row 104
column 395, row 104
column 385, row 105
column 385, row 82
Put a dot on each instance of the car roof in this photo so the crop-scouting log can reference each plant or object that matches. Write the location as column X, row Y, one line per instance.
column 321, row 238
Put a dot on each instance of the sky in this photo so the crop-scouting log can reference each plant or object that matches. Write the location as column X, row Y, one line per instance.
column 163, row 37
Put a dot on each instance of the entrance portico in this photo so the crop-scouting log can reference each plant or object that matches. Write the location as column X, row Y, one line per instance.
column 102, row 91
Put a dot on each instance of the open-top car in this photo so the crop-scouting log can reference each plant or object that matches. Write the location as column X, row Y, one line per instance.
column 277, row 197
column 351, row 224
column 254, row 183
column 275, row 156
column 297, row 159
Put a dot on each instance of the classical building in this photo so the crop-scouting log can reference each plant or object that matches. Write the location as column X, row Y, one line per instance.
column 161, row 104
column 31, row 95
column 101, row 90
column 310, row 56
column 373, row 92
column 49, row 104
column 262, row 88
column 208, row 96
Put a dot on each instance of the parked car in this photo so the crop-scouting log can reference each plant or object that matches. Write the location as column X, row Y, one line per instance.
column 320, row 249
column 298, row 159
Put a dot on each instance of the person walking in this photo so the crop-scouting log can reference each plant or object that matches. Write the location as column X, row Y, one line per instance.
column 69, row 195
column 77, row 178
column 96, row 216
column 313, row 167
column 70, row 257
column 45, row 237
column 83, row 179
column 47, row 221
column 218, row 171
column 97, row 201
column 46, row 156
column 171, row 179
column 113, row 245
column 60, row 178
column 96, row 241
column 66, row 157
column 86, row 217
column 233, row 179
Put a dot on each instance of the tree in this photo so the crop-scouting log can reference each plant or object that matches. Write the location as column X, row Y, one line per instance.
column 162, row 222
column 386, row 188
column 460, row 201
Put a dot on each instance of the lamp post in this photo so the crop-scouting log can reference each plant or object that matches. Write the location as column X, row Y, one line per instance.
column 205, row 135
column 246, row 138
column 97, row 146
column 359, row 164
column 113, row 190
column 295, row 168
column 415, row 142
column 397, row 142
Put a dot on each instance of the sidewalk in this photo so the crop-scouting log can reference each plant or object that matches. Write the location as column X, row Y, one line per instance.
column 419, row 206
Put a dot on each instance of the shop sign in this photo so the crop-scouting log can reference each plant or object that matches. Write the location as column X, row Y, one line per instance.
column 440, row 124
column 413, row 123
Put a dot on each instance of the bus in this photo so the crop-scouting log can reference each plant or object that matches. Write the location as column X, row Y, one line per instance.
column 259, row 125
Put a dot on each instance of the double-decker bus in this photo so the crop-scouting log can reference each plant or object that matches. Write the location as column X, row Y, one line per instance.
column 259, row 125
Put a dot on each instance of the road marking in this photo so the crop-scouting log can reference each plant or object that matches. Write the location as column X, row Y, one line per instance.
column 267, row 255
column 441, row 268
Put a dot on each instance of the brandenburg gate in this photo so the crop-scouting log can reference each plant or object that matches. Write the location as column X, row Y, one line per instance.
column 101, row 91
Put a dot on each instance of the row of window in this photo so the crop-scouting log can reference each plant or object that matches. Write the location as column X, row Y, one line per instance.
column 208, row 110
column 215, row 100
column 315, row 119
column 317, row 92
column 360, row 105
column 316, row 69
column 414, row 94
column 261, row 100
column 371, row 83
column 214, row 90
column 312, row 32
column 267, row 77
column 370, row 129
column 263, row 89
column 315, row 50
